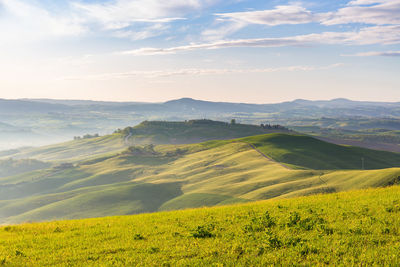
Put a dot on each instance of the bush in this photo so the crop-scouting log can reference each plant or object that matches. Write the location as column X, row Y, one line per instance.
column 259, row 224
column 138, row 237
column 203, row 231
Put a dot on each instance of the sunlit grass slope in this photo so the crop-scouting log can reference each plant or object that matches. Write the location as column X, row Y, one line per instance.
column 343, row 229
column 183, row 176
column 74, row 150
column 147, row 132
column 308, row 152
column 193, row 131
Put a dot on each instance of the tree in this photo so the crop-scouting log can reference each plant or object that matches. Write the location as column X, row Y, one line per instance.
column 233, row 121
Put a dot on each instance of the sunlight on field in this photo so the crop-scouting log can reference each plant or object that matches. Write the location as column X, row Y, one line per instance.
column 360, row 227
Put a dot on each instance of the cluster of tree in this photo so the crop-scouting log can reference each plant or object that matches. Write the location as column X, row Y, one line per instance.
column 273, row 127
column 64, row 166
column 86, row 136
column 177, row 152
column 141, row 150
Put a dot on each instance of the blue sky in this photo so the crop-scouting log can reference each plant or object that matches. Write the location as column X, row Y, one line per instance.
column 232, row 50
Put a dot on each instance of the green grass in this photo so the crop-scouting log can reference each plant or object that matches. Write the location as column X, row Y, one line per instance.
column 192, row 131
column 308, row 152
column 205, row 174
column 11, row 167
column 75, row 150
column 350, row 228
column 148, row 132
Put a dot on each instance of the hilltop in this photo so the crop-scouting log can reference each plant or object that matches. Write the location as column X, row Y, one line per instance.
column 147, row 132
column 193, row 131
column 314, row 230
column 166, row 177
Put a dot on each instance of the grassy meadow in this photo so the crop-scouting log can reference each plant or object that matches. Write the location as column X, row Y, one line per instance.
column 348, row 228
column 171, row 177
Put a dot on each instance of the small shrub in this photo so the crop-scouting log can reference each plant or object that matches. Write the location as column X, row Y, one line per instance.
column 19, row 253
column 305, row 250
column 10, row 228
column 259, row 224
column 176, row 234
column 239, row 251
column 327, row 230
column 356, row 231
column 153, row 250
column 294, row 219
column 138, row 237
column 57, row 230
column 203, row 231
column 294, row 241
column 273, row 241
column 261, row 251
column 393, row 208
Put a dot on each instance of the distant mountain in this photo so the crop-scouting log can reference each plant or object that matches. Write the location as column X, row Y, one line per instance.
column 23, row 106
column 193, row 106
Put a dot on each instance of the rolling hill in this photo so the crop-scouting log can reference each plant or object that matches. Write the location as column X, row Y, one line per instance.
column 147, row 132
column 167, row 177
column 315, row 230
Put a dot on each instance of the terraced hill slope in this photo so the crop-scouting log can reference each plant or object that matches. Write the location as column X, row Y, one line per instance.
column 167, row 177
column 314, row 230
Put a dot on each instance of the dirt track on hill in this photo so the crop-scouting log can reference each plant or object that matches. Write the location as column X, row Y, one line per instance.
column 265, row 156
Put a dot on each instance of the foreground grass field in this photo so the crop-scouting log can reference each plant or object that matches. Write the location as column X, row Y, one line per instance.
column 348, row 228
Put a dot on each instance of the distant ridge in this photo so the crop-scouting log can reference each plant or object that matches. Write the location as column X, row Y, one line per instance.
column 60, row 120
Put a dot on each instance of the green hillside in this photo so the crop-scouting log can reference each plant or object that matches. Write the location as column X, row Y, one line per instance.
column 344, row 229
column 193, row 131
column 187, row 176
column 308, row 152
column 147, row 132
column 11, row 167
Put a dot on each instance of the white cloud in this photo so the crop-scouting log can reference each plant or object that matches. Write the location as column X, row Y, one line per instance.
column 383, row 12
column 221, row 31
column 26, row 20
column 369, row 35
column 365, row 2
column 145, row 33
column 21, row 21
column 123, row 13
column 196, row 72
column 374, row 12
column 376, row 53
column 288, row 14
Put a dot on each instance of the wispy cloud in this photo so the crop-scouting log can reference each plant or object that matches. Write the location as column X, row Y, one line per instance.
column 133, row 19
column 22, row 21
column 366, row 36
column 381, row 13
column 196, row 72
column 288, row 14
column 373, row 12
column 120, row 14
column 376, row 54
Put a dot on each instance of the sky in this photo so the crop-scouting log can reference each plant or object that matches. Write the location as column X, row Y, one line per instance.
column 220, row 50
